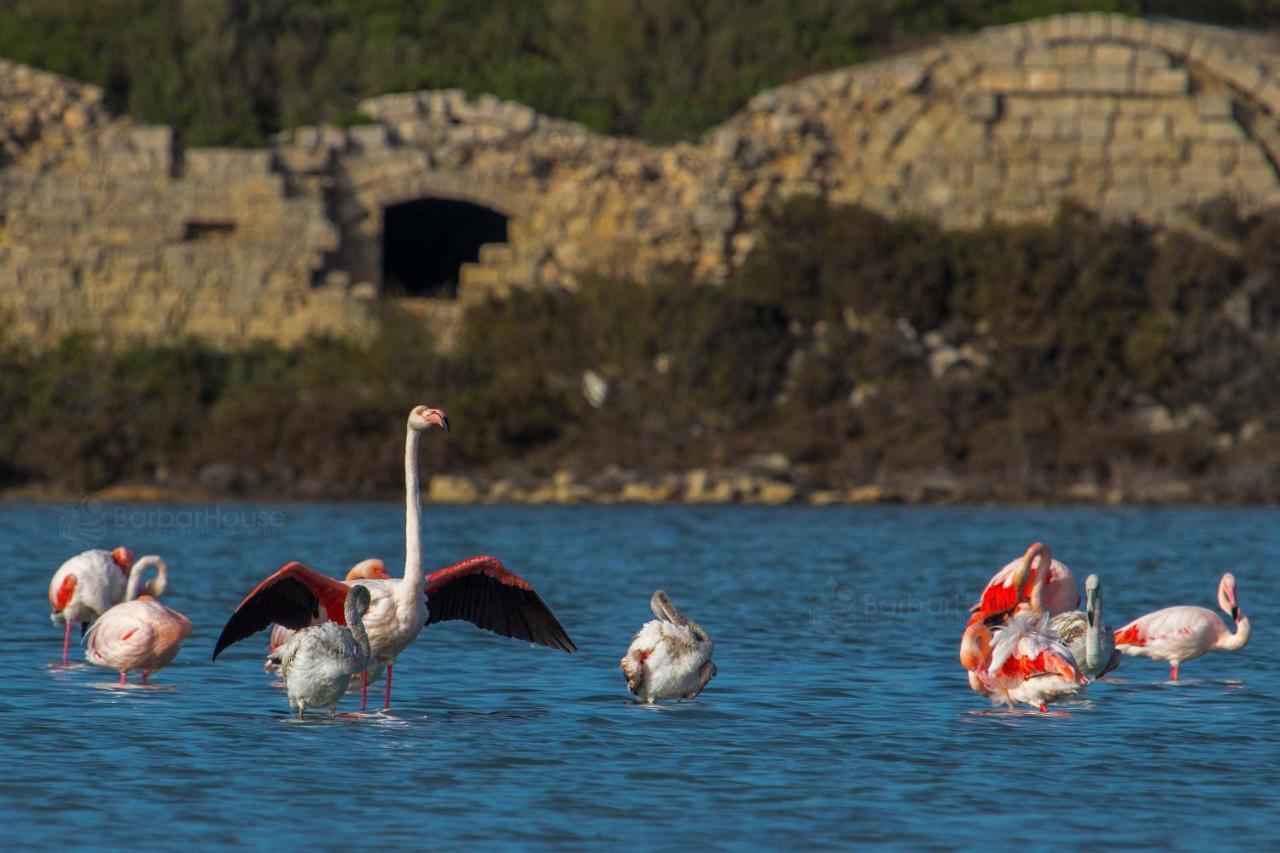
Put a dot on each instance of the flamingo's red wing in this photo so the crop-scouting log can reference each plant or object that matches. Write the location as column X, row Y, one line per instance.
column 1001, row 598
column 292, row 597
column 1130, row 635
column 487, row 594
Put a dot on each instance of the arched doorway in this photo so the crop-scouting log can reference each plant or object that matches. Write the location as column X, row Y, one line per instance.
column 425, row 242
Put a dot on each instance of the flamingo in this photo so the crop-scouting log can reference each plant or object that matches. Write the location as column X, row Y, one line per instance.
column 480, row 590
column 139, row 633
column 85, row 587
column 1179, row 634
column 1021, row 662
column 370, row 569
column 1087, row 635
column 670, row 657
column 1011, row 586
column 317, row 662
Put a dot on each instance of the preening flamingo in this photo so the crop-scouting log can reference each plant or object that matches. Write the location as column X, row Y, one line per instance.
column 370, row 569
column 1087, row 634
column 1021, row 662
column 1012, row 586
column 139, row 633
column 480, row 590
column 670, row 657
column 85, row 587
column 317, row 662
column 1179, row 634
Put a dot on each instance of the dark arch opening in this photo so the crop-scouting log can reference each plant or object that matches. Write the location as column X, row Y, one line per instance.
column 425, row 243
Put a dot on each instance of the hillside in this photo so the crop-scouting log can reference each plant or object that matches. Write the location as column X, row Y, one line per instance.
column 228, row 72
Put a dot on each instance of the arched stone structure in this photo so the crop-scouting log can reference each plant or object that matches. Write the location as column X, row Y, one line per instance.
column 107, row 226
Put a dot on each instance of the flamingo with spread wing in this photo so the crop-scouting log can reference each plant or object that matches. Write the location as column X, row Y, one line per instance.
column 480, row 590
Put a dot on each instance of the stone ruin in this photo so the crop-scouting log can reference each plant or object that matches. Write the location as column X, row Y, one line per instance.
column 112, row 228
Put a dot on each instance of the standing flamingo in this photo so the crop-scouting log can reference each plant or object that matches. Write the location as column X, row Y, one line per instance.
column 1178, row 634
column 85, row 587
column 480, row 590
column 1087, row 634
column 670, row 657
column 1012, row 585
column 1021, row 662
column 139, row 633
column 370, row 569
column 317, row 662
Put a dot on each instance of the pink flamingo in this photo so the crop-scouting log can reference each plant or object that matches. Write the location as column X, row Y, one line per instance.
column 1021, row 662
column 480, row 590
column 1178, row 634
column 85, row 587
column 370, row 569
column 140, row 633
column 1012, row 585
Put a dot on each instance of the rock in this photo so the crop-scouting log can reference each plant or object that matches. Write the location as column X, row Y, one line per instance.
column 774, row 493
column 866, row 494
column 450, row 489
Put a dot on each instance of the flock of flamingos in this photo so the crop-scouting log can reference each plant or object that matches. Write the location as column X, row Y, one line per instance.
column 1025, row 643
column 332, row 634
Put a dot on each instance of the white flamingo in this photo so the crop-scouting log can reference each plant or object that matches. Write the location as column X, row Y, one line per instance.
column 140, row 632
column 85, row 587
column 317, row 662
column 1087, row 634
column 670, row 657
column 480, row 590
column 1179, row 634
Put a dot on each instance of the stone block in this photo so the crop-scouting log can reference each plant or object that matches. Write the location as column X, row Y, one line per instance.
column 1242, row 72
column 1162, row 81
column 1155, row 127
column 1094, row 129
column 1214, row 106
column 368, row 137
column 1269, row 95
column 1038, row 57
column 982, row 106
column 1071, row 53
column 1148, row 57
column 1111, row 54
column 1173, row 37
column 1043, row 80
column 1221, row 131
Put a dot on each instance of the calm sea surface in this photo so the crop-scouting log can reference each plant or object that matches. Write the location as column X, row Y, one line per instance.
column 840, row 714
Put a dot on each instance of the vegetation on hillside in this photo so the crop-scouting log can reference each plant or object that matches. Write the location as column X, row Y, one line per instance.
column 1016, row 362
column 231, row 72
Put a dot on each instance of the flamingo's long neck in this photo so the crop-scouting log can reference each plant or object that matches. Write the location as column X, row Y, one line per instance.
column 1093, row 637
column 1231, row 642
column 135, row 576
column 413, row 575
column 355, row 624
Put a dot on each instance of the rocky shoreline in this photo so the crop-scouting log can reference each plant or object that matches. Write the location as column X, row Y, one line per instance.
column 768, row 480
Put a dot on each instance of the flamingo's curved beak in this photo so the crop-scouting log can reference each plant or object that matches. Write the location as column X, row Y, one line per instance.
column 439, row 418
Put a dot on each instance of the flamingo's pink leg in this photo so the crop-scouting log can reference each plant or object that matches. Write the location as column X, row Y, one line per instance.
column 122, row 678
column 386, row 699
column 1043, row 708
column 144, row 678
column 364, row 690
column 66, row 643
column 1173, row 672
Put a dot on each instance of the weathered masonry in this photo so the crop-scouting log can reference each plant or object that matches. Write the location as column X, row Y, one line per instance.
column 109, row 227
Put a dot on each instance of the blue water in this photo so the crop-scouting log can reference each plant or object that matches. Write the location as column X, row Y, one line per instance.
column 839, row 715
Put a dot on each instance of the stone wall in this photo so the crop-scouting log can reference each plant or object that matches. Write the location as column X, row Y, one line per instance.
column 112, row 228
